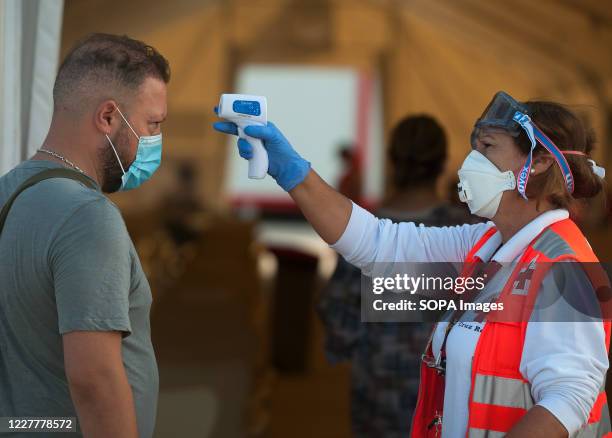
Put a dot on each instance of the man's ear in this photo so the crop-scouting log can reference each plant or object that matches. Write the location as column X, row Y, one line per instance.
column 541, row 163
column 105, row 117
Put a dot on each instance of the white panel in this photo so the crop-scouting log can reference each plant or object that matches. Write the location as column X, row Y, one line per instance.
column 313, row 107
column 46, row 56
column 10, row 84
column 375, row 147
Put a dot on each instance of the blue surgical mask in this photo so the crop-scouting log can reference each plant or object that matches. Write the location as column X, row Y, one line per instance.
column 148, row 159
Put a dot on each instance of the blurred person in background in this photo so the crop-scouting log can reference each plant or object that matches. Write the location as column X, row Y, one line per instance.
column 74, row 301
column 385, row 356
column 483, row 377
column 180, row 205
column 350, row 182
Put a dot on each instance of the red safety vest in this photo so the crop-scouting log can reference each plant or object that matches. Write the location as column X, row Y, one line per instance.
column 499, row 394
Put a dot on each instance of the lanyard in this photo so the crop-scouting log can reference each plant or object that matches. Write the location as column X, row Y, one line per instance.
column 489, row 271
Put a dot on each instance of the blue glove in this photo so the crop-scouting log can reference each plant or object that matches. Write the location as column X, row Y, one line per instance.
column 285, row 164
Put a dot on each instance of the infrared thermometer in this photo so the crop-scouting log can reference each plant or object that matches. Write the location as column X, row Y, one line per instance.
column 245, row 110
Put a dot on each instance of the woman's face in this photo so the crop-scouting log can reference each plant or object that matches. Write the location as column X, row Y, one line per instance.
column 500, row 148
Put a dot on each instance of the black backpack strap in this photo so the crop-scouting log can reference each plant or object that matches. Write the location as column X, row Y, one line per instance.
column 35, row 179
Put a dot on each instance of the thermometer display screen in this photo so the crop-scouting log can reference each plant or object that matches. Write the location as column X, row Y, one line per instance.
column 249, row 107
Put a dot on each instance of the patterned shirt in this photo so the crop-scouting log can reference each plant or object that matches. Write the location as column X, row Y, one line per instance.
column 385, row 356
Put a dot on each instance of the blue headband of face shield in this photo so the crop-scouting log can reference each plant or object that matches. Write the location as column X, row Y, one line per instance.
column 503, row 112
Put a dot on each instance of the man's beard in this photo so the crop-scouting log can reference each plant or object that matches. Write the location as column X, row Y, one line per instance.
column 111, row 169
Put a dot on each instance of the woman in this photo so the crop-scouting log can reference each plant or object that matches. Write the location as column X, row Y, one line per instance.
column 385, row 355
column 488, row 378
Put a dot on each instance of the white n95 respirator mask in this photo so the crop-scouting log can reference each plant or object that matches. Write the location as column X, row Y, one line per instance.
column 481, row 184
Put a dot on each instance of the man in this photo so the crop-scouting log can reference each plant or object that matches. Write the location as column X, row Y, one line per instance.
column 74, row 301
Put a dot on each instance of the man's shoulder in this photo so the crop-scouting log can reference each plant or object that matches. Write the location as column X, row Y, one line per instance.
column 60, row 193
column 67, row 194
column 85, row 217
column 64, row 200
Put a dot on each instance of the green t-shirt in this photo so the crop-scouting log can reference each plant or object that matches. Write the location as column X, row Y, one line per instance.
column 67, row 263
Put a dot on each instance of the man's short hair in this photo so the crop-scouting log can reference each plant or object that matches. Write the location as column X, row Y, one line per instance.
column 103, row 66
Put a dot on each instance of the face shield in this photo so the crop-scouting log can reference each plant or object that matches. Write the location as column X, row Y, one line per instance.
column 505, row 113
column 499, row 114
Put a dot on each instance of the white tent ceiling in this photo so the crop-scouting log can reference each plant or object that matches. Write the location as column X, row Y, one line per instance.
column 29, row 50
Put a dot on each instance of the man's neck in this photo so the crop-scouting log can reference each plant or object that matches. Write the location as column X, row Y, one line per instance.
column 63, row 144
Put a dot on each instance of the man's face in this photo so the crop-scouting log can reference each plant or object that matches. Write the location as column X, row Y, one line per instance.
column 145, row 114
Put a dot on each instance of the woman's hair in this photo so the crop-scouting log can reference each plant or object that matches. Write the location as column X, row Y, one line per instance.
column 568, row 132
column 417, row 151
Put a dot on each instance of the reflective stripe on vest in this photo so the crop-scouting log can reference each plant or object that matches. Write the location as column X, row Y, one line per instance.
column 552, row 245
column 599, row 429
column 502, row 391
column 474, row 432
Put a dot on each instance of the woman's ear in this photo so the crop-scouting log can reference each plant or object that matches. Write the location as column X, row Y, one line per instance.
column 541, row 164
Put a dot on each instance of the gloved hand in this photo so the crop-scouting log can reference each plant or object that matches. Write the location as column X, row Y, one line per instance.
column 285, row 164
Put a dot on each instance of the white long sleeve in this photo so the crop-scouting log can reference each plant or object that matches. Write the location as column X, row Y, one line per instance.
column 368, row 239
column 566, row 364
column 565, row 359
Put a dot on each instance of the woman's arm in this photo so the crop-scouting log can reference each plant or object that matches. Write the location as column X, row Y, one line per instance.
column 327, row 210
column 538, row 423
column 355, row 233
